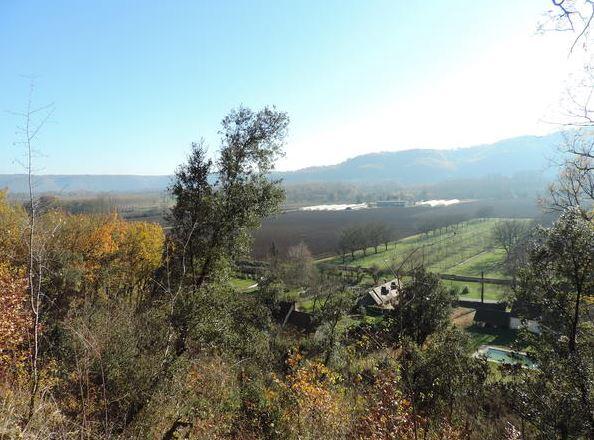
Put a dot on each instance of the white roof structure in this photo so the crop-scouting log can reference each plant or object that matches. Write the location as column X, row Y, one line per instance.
column 383, row 295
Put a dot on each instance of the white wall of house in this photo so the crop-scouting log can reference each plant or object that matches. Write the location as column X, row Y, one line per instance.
column 516, row 324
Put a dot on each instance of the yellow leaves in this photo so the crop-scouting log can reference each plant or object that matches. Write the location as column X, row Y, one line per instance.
column 142, row 246
column 15, row 320
column 310, row 398
column 13, row 222
column 107, row 250
column 102, row 253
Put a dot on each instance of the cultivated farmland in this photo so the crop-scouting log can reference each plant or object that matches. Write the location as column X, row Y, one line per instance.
column 465, row 249
column 320, row 230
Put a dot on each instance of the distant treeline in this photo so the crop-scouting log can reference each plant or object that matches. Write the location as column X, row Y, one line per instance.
column 150, row 206
column 520, row 185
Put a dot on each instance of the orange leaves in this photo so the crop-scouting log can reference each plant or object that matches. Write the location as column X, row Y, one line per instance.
column 105, row 250
column 310, row 399
column 389, row 415
column 15, row 319
column 83, row 252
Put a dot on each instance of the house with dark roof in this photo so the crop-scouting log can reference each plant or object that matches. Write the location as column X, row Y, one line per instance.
column 525, row 315
column 478, row 304
column 492, row 318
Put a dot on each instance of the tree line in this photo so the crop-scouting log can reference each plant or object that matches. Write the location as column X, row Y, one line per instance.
column 362, row 237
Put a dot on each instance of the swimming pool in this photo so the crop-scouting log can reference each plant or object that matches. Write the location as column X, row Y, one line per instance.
column 502, row 355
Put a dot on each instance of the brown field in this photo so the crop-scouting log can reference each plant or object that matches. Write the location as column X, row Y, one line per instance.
column 320, row 230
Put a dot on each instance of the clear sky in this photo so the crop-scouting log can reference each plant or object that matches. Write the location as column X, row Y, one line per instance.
column 134, row 82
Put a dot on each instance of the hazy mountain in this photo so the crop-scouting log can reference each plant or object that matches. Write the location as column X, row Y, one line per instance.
column 420, row 166
column 410, row 167
column 17, row 183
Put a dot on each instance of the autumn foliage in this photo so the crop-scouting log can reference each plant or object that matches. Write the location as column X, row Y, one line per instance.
column 15, row 319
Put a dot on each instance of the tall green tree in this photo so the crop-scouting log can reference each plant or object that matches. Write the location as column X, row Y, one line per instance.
column 424, row 307
column 219, row 203
column 557, row 288
column 442, row 381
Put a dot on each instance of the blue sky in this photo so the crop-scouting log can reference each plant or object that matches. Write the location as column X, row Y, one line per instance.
column 134, row 82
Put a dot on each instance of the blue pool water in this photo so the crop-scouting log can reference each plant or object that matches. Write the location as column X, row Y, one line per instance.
column 508, row 357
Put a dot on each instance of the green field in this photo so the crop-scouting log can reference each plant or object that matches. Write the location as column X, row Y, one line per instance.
column 489, row 261
column 438, row 250
column 492, row 291
column 444, row 251
column 466, row 249
column 489, row 336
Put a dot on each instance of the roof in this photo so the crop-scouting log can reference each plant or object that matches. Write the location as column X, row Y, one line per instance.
column 492, row 317
column 522, row 309
column 490, row 305
column 383, row 294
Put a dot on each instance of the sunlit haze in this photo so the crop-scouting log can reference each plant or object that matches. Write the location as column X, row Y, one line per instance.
column 135, row 83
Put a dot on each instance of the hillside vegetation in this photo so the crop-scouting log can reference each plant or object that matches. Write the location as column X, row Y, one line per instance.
column 114, row 329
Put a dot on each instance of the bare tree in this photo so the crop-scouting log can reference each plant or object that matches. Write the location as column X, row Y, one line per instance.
column 299, row 268
column 508, row 233
column 575, row 186
column 574, row 16
column 33, row 120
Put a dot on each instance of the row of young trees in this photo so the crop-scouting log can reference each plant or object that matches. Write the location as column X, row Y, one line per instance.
column 362, row 237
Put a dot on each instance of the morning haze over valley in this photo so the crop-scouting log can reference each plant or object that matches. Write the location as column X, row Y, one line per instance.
column 297, row 220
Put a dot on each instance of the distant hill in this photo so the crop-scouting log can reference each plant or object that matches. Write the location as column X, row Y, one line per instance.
column 17, row 183
column 424, row 166
column 409, row 167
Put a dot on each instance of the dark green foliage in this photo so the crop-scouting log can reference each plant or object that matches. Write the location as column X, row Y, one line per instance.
column 442, row 380
column 556, row 287
column 425, row 307
column 218, row 204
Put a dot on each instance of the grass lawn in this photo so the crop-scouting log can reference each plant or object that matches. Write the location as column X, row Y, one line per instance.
column 492, row 291
column 307, row 305
column 242, row 284
column 491, row 336
column 489, row 261
column 466, row 249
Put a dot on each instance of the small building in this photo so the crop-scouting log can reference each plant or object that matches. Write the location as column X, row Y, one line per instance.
column 382, row 296
column 492, row 318
column 524, row 315
column 478, row 304
column 390, row 203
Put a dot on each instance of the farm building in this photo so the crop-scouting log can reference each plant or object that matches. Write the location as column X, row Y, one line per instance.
column 382, row 296
column 492, row 318
column 495, row 315
column 390, row 203
column 524, row 315
column 477, row 304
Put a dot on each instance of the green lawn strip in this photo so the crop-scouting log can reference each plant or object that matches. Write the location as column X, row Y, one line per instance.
column 492, row 291
column 439, row 251
column 500, row 337
column 489, row 261
column 307, row 305
column 242, row 284
column 291, row 295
